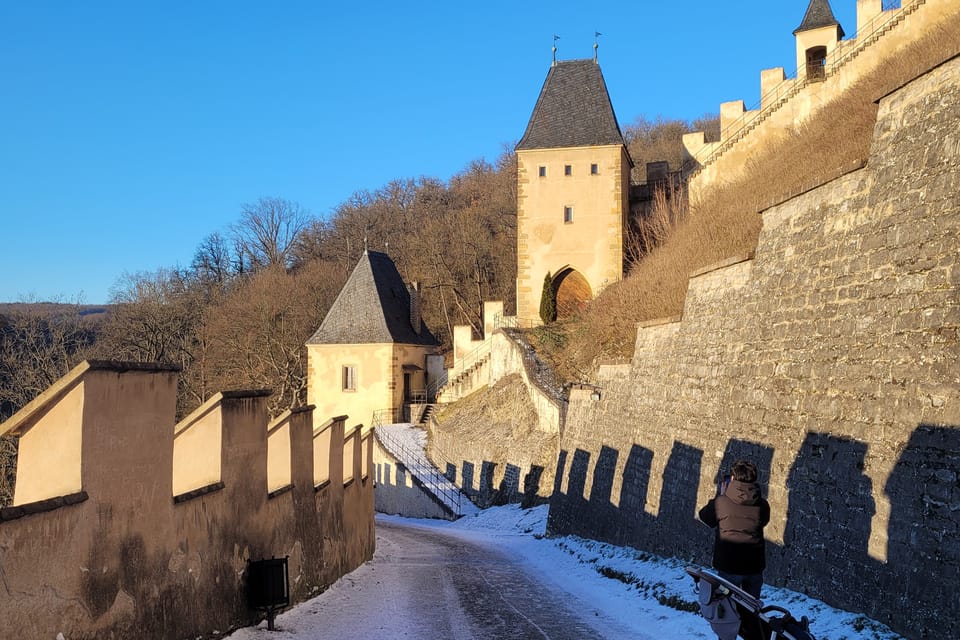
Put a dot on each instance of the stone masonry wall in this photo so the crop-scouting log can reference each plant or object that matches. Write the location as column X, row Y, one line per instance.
column 832, row 360
column 491, row 446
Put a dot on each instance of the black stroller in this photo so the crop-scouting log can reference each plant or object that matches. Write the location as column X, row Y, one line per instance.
column 732, row 611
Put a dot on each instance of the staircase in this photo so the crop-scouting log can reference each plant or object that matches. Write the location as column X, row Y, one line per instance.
column 428, row 411
column 407, row 444
column 466, row 374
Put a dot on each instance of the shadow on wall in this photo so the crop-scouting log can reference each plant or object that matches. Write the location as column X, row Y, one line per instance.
column 828, row 520
column 514, row 486
column 399, row 492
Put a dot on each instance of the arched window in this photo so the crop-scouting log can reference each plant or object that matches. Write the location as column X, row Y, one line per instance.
column 817, row 63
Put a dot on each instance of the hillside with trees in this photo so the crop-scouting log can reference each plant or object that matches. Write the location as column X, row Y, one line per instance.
column 239, row 314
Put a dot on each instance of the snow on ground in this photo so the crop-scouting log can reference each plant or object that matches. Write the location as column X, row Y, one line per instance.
column 641, row 589
column 644, row 592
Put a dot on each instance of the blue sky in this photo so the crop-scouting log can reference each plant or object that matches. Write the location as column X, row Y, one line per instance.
column 132, row 130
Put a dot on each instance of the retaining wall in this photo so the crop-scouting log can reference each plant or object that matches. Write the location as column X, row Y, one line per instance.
column 832, row 359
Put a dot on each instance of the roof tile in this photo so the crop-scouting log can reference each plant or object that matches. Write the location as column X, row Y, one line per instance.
column 373, row 308
column 573, row 110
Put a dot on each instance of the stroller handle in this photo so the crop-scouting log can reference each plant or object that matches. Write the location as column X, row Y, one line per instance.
column 773, row 607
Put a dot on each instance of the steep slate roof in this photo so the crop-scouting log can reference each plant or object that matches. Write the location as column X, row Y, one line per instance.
column 373, row 308
column 573, row 110
column 819, row 14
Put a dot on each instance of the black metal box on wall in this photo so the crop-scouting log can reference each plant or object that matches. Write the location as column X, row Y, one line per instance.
column 268, row 586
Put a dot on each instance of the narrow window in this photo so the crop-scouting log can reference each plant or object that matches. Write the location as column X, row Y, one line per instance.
column 349, row 378
column 543, row 172
column 567, row 170
column 816, row 63
column 594, row 169
column 568, row 214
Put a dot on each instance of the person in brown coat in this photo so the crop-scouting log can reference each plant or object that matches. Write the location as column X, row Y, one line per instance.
column 738, row 514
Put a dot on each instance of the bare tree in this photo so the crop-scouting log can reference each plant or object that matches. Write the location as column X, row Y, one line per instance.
column 39, row 344
column 268, row 230
column 259, row 331
column 662, row 139
column 212, row 262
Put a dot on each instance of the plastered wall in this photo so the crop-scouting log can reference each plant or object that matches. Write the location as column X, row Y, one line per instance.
column 880, row 37
column 591, row 243
column 398, row 492
column 126, row 555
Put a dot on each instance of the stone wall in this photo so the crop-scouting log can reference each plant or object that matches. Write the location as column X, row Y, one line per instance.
column 832, row 360
column 113, row 551
column 489, row 445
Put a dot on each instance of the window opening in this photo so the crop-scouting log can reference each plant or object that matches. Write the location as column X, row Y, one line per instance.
column 816, row 63
column 349, row 378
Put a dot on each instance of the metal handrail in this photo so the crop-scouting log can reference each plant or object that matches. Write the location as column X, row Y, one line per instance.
column 472, row 358
column 427, row 473
column 837, row 58
column 501, row 321
column 433, row 389
column 887, row 17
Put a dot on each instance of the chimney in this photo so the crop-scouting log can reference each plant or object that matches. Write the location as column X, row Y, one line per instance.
column 414, row 290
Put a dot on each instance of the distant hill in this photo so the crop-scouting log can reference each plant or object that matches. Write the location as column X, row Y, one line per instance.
column 96, row 312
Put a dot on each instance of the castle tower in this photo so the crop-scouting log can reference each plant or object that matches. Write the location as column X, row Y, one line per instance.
column 817, row 37
column 572, row 194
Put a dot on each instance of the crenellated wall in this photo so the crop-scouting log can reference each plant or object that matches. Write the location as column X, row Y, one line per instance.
column 832, row 359
column 147, row 532
column 788, row 97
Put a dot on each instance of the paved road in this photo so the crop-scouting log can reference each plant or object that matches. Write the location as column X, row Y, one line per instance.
column 425, row 583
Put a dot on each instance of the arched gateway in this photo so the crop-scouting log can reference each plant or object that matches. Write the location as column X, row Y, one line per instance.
column 572, row 292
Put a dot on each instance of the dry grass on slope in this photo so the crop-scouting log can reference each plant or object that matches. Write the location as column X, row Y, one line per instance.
column 725, row 222
column 496, row 424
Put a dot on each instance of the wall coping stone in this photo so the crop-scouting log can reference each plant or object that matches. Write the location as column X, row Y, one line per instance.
column 723, row 264
column 279, row 492
column 196, row 493
column 41, row 506
column 659, row 321
column 856, row 165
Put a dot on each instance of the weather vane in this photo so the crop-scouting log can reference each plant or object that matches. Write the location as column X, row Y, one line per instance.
column 555, row 38
column 596, row 34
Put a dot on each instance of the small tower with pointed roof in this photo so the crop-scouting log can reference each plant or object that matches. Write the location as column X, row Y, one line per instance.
column 572, row 193
column 371, row 351
column 816, row 38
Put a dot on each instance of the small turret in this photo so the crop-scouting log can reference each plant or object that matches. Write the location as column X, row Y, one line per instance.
column 817, row 36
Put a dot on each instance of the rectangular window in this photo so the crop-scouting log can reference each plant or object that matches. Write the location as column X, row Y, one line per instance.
column 349, row 378
column 567, row 170
column 543, row 172
column 594, row 169
column 568, row 214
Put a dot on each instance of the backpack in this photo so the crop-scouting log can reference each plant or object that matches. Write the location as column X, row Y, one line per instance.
column 719, row 609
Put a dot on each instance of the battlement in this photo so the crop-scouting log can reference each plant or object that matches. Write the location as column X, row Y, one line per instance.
column 826, row 66
column 144, row 527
